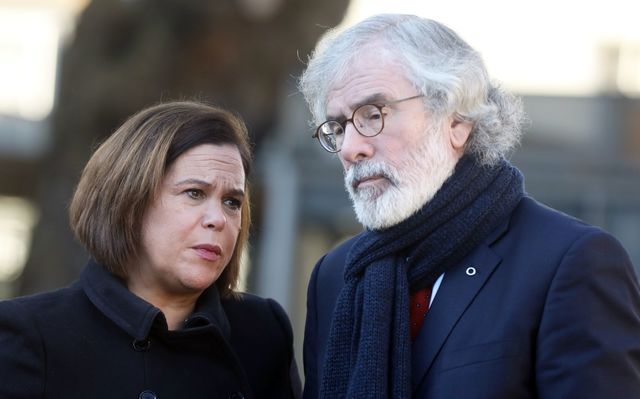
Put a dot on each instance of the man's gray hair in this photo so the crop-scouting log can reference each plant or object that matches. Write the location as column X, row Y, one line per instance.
column 440, row 65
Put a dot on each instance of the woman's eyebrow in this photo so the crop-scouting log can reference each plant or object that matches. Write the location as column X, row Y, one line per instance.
column 198, row 182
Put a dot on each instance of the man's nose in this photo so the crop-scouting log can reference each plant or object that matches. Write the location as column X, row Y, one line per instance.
column 355, row 147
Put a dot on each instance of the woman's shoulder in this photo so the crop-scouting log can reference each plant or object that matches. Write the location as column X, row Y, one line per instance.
column 253, row 310
column 262, row 337
column 24, row 325
column 42, row 311
column 44, row 302
column 258, row 321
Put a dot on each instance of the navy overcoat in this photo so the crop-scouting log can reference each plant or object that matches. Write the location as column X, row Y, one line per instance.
column 548, row 307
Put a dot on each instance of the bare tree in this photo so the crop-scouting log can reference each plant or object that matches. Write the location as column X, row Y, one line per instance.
column 126, row 55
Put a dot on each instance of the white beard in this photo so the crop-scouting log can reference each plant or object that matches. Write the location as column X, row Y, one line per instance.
column 410, row 184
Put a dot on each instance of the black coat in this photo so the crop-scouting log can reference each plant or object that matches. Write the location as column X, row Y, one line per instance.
column 95, row 339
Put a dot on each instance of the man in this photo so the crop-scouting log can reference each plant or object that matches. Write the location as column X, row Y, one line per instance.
column 525, row 302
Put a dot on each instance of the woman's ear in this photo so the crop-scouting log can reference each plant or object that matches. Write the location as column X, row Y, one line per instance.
column 459, row 132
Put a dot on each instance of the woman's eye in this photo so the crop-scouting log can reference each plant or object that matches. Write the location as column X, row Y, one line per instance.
column 233, row 203
column 195, row 193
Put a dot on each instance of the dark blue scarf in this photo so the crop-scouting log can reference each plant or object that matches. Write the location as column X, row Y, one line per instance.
column 369, row 349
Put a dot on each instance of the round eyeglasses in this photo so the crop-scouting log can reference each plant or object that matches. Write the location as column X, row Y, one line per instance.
column 367, row 119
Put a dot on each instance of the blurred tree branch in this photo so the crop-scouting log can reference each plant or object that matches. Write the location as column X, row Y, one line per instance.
column 127, row 55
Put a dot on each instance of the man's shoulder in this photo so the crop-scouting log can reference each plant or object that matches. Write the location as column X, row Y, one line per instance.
column 333, row 263
column 538, row 230
column 342, row 249
column 538, row 218
column 327, row 277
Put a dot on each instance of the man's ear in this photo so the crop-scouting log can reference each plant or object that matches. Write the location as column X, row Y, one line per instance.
column 459, row 132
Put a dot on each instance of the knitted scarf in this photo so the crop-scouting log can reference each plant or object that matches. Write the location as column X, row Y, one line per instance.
column 369, row 349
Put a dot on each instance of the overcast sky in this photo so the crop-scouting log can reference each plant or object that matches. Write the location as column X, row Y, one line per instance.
column 541, row 46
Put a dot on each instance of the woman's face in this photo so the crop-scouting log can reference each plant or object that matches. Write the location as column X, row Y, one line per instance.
column 190, row 230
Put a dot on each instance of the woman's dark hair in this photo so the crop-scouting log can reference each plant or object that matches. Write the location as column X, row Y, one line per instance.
column 125, row 172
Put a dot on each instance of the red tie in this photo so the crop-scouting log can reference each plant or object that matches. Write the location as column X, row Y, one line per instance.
column 419, row 305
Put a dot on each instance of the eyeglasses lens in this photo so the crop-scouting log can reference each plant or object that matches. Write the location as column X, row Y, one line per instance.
column 368, row 120
column 330, row 135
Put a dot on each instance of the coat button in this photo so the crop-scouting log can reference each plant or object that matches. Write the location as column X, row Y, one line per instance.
column 142, row 345
column 236, row 395
column 147, row 395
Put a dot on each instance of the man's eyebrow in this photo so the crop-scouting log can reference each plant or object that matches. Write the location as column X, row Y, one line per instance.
column 376, row 98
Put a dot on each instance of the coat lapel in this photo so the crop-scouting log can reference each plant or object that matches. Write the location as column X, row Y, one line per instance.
column 457, row 291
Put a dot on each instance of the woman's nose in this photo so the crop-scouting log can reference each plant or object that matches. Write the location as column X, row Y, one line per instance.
column 214, row 217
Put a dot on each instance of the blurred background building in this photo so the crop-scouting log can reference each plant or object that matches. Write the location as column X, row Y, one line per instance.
column 72, row 70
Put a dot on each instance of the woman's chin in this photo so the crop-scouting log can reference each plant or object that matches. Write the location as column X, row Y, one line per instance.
column 198, row 283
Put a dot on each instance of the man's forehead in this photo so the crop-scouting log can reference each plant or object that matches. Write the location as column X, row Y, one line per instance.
column 336, row 106
column 366, row 81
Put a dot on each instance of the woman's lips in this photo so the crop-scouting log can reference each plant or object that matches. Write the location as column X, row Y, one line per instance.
column 208, row 252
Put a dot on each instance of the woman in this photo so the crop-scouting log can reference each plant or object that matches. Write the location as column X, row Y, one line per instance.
column 163, row 208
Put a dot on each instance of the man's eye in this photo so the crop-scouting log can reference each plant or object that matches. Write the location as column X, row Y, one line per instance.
column 374, row 115
column 194, row 193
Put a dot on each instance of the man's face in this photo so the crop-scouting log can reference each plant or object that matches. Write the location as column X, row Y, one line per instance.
column 392, row 175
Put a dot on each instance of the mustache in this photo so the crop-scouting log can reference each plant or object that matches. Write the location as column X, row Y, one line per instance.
column 365, row 169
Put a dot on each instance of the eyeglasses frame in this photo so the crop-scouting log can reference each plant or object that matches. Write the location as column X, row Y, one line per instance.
column 316, row 135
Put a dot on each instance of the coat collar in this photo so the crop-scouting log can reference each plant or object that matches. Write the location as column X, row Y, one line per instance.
column 136, row 316
column 457, row 291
